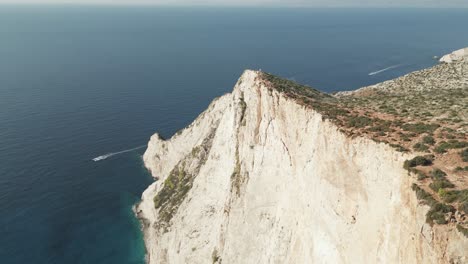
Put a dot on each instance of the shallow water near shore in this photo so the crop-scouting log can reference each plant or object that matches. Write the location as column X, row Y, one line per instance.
column 78, row 83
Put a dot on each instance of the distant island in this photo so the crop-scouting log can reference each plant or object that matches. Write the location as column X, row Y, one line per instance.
column 278, row 172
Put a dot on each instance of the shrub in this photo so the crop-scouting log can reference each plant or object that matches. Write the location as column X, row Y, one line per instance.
column 359, row 121
column 294, row 89
column 442, row 192
column 438, row 173
column 417, row 161
column 428, row 140
column 450, row 196
column 405, row 138
column 420, row 147
column 464, row 155
column 448, row 129
column 420, row 127
column 421, row 194
column 381, row 126
column 450, row 136
column 461, row 196
column 440, row 149
column 457, row 144
column 437, row 213
column 421, row 176
column 399, row 147
column 451, row 144
column 437, row 185
column 461, row 168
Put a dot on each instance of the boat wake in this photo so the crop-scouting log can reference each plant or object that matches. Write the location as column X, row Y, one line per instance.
column 386, row 69
column 105, row 156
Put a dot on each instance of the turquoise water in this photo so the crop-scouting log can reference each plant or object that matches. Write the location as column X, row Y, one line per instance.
column 80, row 82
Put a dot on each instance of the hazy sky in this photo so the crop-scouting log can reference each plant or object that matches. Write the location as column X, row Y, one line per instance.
column 292, row 3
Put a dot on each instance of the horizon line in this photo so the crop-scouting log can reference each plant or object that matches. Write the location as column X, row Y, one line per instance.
column 228, row 6
column 139, row 4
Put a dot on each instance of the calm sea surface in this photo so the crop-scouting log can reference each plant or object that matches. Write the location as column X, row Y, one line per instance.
column 80, row 82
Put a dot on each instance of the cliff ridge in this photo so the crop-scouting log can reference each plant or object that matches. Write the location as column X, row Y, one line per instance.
column 277, row 172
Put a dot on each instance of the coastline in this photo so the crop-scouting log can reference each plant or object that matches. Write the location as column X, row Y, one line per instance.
column 144, row 227
column 239, row 150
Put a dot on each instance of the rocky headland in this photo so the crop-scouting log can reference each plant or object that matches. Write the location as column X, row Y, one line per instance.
column 278, row 172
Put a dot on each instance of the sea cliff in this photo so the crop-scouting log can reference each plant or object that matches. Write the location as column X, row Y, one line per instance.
column 275, row 172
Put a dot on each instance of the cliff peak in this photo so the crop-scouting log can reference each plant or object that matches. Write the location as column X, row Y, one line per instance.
column 285, row 86
column 458, row 55
column 278, row 172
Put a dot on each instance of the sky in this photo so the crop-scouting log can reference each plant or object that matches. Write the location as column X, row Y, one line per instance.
column 270, row 3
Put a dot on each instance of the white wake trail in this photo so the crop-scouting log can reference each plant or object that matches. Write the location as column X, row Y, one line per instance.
column 386, row 69
column 105, row 156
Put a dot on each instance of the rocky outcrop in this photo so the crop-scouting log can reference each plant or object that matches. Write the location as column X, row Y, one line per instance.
column 260, row 178
column 458, row 55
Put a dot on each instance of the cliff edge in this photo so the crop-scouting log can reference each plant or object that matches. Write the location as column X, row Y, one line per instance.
column 458, row 55
column 276, row 172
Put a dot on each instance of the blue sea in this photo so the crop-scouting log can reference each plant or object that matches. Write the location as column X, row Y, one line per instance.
column 78, row 82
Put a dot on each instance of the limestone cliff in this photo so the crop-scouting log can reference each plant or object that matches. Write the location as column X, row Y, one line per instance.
column 260, row 177
column 457, row 55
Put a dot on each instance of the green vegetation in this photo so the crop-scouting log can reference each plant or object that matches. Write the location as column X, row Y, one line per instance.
column 439, row 180
column 422, row 195
column 417, row 161
column 420, row 127
column 399, row 147
column 456, row 195
column 421, row 176
column 448, row 196
column 438, row 184
column 464, row 155
column 175, row 187
column 437, row 211
column 294, row 89
column 420, row 147
column 438, row 173
column 381, row 126
column 179, row 182
column 327, row 105
column 451, row 144
column 428, row 140
column 457, row 169
column 359, row 121
column 459, row 196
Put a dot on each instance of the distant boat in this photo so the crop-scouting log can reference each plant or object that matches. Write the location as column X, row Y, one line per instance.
column 100, row 158
column 103, row 157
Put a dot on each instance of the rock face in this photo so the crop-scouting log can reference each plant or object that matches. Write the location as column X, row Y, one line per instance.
column 458, row 55
column 259, row 178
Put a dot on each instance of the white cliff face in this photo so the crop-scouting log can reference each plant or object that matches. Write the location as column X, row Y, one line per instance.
column 458, row 55
column 275, row 183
